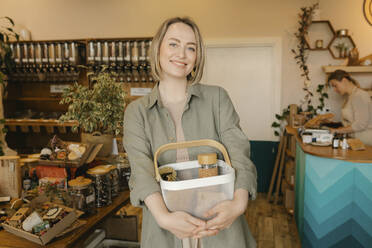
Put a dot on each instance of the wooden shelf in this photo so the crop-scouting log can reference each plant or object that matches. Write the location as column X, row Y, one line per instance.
column 290, row 185
column 289, row 153
column 39, row 122
column 290, row 211
column 34, row 125
column 35, row 99
column 332, row 68
column 321, row 30
column 318, row 49
column 344, row 39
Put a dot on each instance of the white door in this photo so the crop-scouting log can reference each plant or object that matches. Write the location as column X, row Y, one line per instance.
column 250, row 72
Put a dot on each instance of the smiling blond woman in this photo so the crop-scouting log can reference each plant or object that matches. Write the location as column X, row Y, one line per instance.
column 179, row 108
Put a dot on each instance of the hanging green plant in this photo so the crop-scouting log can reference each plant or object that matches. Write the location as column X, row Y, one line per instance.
column 6, row 60
column 301, row 55
column 6, row 34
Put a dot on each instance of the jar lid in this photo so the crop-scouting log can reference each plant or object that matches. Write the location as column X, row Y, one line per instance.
column 123, row 154
column 79, row 182
column 123, row 164
column 98, row 170
column 207, row 158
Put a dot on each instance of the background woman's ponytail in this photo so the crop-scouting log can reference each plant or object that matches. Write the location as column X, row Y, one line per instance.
column 339, row 75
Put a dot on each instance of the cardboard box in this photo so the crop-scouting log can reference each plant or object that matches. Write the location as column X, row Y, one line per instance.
column 58, row 228
column 88, row 156
column 11, row 176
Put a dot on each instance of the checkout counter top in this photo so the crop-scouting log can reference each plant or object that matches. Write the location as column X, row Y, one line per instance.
column 364, row 156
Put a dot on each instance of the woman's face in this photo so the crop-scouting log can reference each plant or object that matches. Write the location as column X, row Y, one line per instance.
column 177, row 51
column 338, row 86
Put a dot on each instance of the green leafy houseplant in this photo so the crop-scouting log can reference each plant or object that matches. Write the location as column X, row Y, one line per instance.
column 6, row 62
column 99, row 109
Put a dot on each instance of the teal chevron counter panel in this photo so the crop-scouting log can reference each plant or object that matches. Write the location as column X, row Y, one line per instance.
column 333, row 206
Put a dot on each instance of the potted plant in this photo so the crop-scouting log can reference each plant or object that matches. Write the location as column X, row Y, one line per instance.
column 342, row 48
column 6, row 66
column 99, row 110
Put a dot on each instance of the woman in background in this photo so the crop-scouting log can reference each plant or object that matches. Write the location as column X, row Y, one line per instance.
column 181, row 109
column 357, row 107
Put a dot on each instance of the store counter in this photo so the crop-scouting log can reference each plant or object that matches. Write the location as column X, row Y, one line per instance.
column 75, row 238
column 333, row 191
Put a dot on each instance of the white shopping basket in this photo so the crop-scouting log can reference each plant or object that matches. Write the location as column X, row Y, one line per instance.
column 192, row 194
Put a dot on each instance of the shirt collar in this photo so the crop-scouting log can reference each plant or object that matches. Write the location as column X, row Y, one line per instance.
column 154, row 96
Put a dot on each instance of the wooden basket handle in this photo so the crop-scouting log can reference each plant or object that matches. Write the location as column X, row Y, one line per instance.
column 187, row 144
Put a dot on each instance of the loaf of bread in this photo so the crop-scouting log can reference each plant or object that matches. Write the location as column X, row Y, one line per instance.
column 356, row 144
column 319, row 119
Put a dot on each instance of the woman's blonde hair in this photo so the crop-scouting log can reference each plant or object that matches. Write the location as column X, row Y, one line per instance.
column 197, row 72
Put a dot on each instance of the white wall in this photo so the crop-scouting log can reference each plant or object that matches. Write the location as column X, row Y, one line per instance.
column 218, row 20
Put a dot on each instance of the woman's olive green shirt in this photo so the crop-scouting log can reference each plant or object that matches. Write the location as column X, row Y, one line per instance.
column 208, row 114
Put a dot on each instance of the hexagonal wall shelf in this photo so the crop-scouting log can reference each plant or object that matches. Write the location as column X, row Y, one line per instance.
column 320, row 35
column 340, row 46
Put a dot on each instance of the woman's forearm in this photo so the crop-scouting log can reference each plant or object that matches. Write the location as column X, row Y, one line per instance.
column 156, row 205
column 347, row 129
column 241, row 200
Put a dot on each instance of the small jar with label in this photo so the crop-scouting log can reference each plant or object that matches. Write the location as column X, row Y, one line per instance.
column 82, row 194
column 335, row 141
column 122, row 164
column 208, row 165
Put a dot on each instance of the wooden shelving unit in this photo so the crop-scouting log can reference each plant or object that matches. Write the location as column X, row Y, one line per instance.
column 322, row 30
column 346, row 39
column 361, row 69
column 44, row 68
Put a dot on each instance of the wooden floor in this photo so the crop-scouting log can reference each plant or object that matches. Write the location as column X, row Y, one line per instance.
column 270, row 224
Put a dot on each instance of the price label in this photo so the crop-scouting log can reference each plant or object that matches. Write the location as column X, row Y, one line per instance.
column 58, row 88
column 90, row 198
column 140, row 91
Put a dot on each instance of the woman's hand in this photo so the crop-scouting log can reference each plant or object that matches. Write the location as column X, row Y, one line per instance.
column 181, row 224
column 225, row 213
column 342, row 130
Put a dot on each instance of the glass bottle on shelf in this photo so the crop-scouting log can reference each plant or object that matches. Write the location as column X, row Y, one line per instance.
column 120, row 57
column 127, row 56
column 105, row 54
